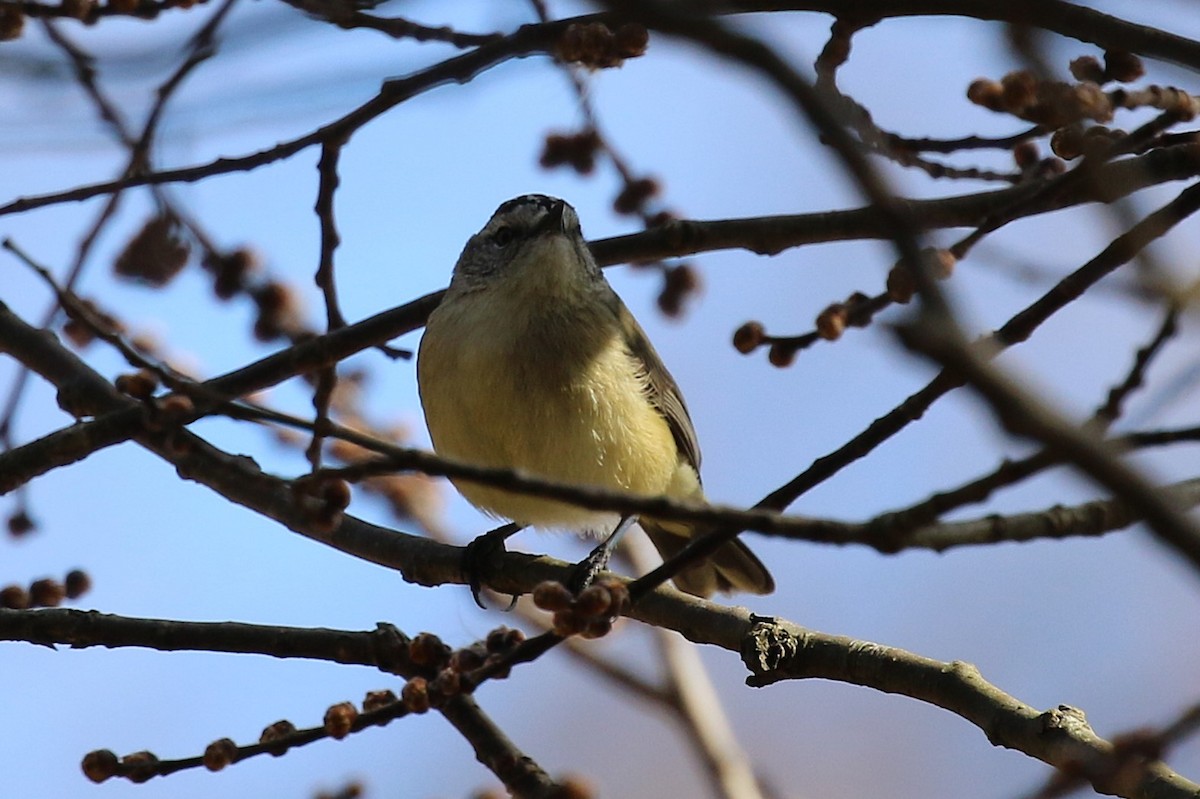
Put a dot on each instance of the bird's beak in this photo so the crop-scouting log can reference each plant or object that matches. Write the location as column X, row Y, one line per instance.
column 554, row 222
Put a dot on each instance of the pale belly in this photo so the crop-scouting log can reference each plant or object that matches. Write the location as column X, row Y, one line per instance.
column 592, row 427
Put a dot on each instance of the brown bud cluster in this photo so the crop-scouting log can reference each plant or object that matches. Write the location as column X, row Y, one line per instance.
column 332, row 496
column 77, row 583
column 596, row 46
column 552, row 596
column 634, row 195
column 468, row 658
column 589, row 614
column 81, row 334
column 939, row 261
column 335, row 493
column 219, row 754
column 577, row 150
column 1026, row 155
column 278, row 311
column 831, row 322
column 20, row 523
column 1067, row 143
column 140, row 385
column 168, row 412
column 660, row 218
column 12, row 23
column 274, row 737
column 1087, row 67
column 458, row 674
column 447, row 683
column 901, row 284
column 782, row 354
column 14, row 597
column 140, row 766
column 679, row 283
column 339, row 719
column 1031, row 163
column 156, row 254
column 351, row 790
column 1052, row 104
column 749, row 337
column 1122, row 66
column 503, row 640
column 376, row 700
column 428, row 651
column 1074, row 141
column 231, row 270
column 415, row 695
column 99, row 765
column 46, row 593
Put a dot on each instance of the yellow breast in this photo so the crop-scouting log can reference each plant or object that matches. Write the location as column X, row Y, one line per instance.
column 558, row 396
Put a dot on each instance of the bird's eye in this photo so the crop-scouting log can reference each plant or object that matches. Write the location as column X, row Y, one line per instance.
column 503, row 236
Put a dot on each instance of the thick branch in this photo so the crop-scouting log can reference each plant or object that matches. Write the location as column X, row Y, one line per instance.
column 777, row 650
column 1066, row 19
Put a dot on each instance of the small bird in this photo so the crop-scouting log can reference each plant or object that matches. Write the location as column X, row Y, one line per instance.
column 533, row 362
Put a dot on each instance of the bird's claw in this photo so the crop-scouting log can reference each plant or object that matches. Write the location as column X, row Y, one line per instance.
column 480, row 557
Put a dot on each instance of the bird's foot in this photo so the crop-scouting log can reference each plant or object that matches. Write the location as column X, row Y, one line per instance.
column 585, row 571
column 481, row 557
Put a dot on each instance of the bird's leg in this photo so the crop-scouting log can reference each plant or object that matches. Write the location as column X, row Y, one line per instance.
column 586, row 570
column 481, row 555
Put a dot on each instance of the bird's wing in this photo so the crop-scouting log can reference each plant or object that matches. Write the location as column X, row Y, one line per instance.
column 664, row 391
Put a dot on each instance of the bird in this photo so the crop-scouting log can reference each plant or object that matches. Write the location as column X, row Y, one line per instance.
column 532, row 362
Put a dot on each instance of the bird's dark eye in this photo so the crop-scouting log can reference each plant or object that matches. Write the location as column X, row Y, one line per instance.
column 503, row 236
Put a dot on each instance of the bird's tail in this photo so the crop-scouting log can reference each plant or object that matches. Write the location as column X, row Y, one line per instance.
column 732, row 568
